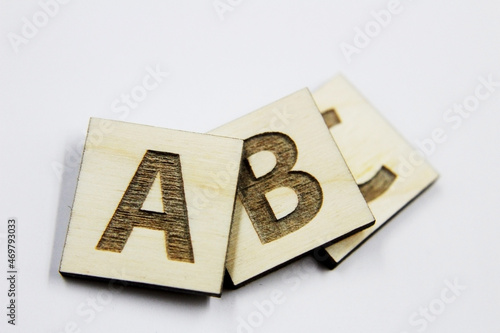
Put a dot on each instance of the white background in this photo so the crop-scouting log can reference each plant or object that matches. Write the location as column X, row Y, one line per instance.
column 429, row 57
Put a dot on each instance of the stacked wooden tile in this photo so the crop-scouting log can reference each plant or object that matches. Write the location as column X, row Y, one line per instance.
column 306, row 174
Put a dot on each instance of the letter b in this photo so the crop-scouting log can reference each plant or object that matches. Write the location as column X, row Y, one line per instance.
column 51, row 7
column 427, row 146
column 243, row 326
column 266, row 307
column 383, row 17
column 253, row 190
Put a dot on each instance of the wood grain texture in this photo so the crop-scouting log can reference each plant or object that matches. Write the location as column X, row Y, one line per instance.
column 378, row 184
column 130, row 214
column 321, row 202
column 171, row 235
column 384, row 165
column 253, row 189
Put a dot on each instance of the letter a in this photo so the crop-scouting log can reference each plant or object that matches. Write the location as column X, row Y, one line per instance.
column 174, row 221
column 348, row 50
column 16, row 40
column 253, row 190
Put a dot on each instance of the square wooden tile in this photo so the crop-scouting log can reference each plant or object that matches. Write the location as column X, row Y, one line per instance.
column 295, row 191
column 153, row 206
column 390, row 173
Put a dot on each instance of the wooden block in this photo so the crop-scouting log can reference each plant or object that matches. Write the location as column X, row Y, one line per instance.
column 153, row 206
column 389, row 172
column 295, row 191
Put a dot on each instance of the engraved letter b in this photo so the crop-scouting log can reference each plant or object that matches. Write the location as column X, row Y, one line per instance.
column 253, row 190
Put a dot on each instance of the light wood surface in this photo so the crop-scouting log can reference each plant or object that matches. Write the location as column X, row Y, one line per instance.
column 295, row 191
column 389, row 171
column 153, row 206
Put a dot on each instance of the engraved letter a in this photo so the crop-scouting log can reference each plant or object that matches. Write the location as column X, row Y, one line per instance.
column 174, row 221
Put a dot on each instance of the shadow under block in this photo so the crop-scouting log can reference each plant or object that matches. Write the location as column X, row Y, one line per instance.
column 295, row 191
column 389, row 172
column 153, row 207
